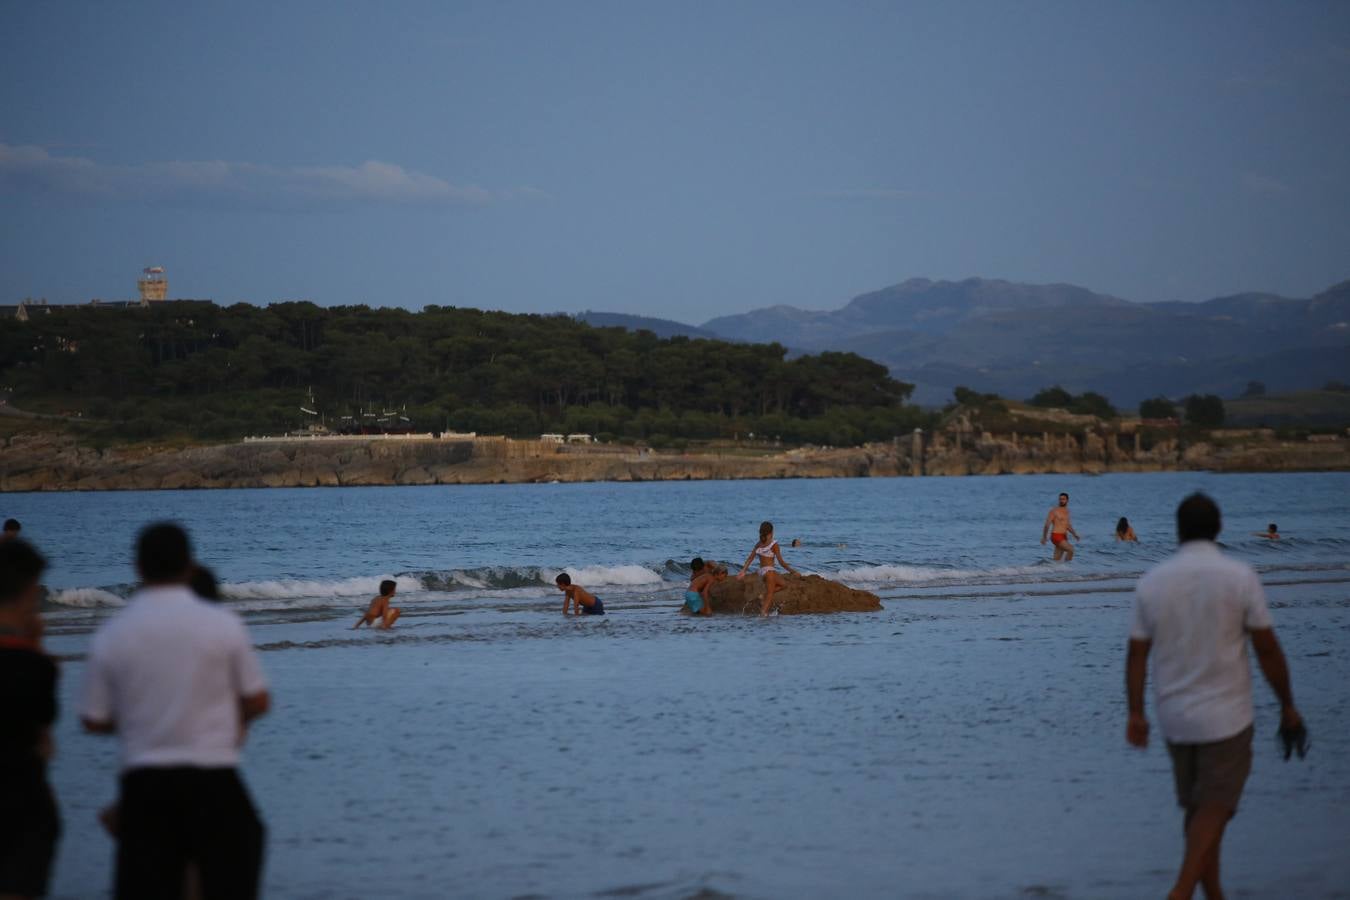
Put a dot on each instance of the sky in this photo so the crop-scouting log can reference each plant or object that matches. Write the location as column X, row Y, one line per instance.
column 680, row 160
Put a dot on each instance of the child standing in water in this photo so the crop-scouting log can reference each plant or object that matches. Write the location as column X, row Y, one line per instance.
column 770, row 555
column 380, row 608
column 696, row 596
column 582, row 601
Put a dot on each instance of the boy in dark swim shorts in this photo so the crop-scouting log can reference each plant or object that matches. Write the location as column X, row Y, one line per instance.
column 582, row 601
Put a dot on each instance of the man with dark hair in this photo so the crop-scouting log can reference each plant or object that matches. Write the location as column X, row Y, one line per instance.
column 1195, row 612
column 11, row 530
column 163, row 553
column 177, row 679
column 29, row 823
column 1058, row 526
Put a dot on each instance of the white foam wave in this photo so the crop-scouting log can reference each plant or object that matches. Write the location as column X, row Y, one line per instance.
column 282, row 589
column 902, row 574
column 87, row 598
column 613, row 575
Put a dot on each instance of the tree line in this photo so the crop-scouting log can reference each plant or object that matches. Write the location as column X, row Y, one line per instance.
column 216, row 372
column 1201, row 410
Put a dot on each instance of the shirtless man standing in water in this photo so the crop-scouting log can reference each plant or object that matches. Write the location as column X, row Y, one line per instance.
column 1058, row 526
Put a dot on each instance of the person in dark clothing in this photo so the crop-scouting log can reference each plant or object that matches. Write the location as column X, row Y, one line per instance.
column 30, row 824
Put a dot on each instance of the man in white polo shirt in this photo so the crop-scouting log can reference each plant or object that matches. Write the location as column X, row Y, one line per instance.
column 1195, row 612
column 176, row 678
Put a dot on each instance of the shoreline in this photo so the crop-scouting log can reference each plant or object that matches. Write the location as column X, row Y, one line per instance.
column 46, row 462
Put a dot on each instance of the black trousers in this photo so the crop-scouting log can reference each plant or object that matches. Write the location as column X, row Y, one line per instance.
column 170, row 817
column 29, row 828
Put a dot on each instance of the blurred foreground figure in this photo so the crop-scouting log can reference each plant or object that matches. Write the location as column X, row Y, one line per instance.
column 29, row 823
column 177, row 679
column 1195, row 613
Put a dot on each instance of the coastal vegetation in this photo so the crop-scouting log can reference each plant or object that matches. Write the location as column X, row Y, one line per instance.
column 212, row 372
column 1088, row 403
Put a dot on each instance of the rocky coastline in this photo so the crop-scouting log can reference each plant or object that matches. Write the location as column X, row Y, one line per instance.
column 60, row 462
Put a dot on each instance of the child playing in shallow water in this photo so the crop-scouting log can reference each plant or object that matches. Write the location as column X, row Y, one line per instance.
column 380, row 608
column 701, row 577
column 769, row 554
column 582, row 601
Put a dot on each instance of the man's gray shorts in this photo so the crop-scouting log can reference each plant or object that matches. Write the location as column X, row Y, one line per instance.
column 1212, row 774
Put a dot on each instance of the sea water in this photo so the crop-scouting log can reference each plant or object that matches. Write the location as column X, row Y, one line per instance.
column 967, row 741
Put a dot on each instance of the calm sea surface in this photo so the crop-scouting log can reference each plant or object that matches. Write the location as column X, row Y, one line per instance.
column 967, row 741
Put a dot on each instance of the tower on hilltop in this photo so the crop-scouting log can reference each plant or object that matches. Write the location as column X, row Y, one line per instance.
column 153, row 284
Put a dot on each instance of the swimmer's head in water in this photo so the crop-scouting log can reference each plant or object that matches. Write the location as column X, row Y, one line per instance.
column 563, row 580
column 1123, row 525
column 1273, row 528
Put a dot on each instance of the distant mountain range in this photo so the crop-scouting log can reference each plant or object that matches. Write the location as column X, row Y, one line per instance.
column 662, row 328
column 1015, row 339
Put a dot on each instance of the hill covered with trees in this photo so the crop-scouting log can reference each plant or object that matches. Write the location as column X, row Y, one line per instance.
column 211, row 372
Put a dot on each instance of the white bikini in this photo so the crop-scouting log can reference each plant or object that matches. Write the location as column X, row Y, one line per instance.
column 766, row 555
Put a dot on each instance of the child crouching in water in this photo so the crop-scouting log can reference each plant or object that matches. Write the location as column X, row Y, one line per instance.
column 380, row 608
column 701, row 578
column 582, row 601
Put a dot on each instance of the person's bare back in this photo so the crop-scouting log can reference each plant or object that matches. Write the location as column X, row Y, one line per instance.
column 380, row 609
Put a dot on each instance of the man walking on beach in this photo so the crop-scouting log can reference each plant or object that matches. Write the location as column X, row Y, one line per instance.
column 1196, row 612
column 176, row 678
column 1059, row 527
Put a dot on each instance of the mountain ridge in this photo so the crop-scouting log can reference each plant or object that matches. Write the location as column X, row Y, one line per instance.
column 1014, row 338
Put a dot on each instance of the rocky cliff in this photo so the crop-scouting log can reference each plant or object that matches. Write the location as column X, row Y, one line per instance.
column 58, row 462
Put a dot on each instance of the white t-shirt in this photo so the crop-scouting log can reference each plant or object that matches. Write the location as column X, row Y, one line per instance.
column 169, row 671
column 1197, row 608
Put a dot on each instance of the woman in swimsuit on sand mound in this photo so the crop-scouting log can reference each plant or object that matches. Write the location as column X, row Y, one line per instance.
column 769, row 554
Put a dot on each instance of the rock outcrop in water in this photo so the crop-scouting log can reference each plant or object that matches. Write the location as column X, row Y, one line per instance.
column 801, row 594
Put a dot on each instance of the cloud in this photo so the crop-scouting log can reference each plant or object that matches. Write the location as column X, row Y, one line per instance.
column 1256, row 183
column 867, row 194
column 231, row 184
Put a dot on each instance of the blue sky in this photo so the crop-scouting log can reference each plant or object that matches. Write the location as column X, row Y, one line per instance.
column 677, row 160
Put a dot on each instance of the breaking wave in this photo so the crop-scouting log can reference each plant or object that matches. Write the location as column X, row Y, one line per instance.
column 634, row 576
column 282, row 589
column 86, row 598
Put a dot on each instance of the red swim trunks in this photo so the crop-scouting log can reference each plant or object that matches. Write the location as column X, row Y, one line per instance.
column 1059, row 537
